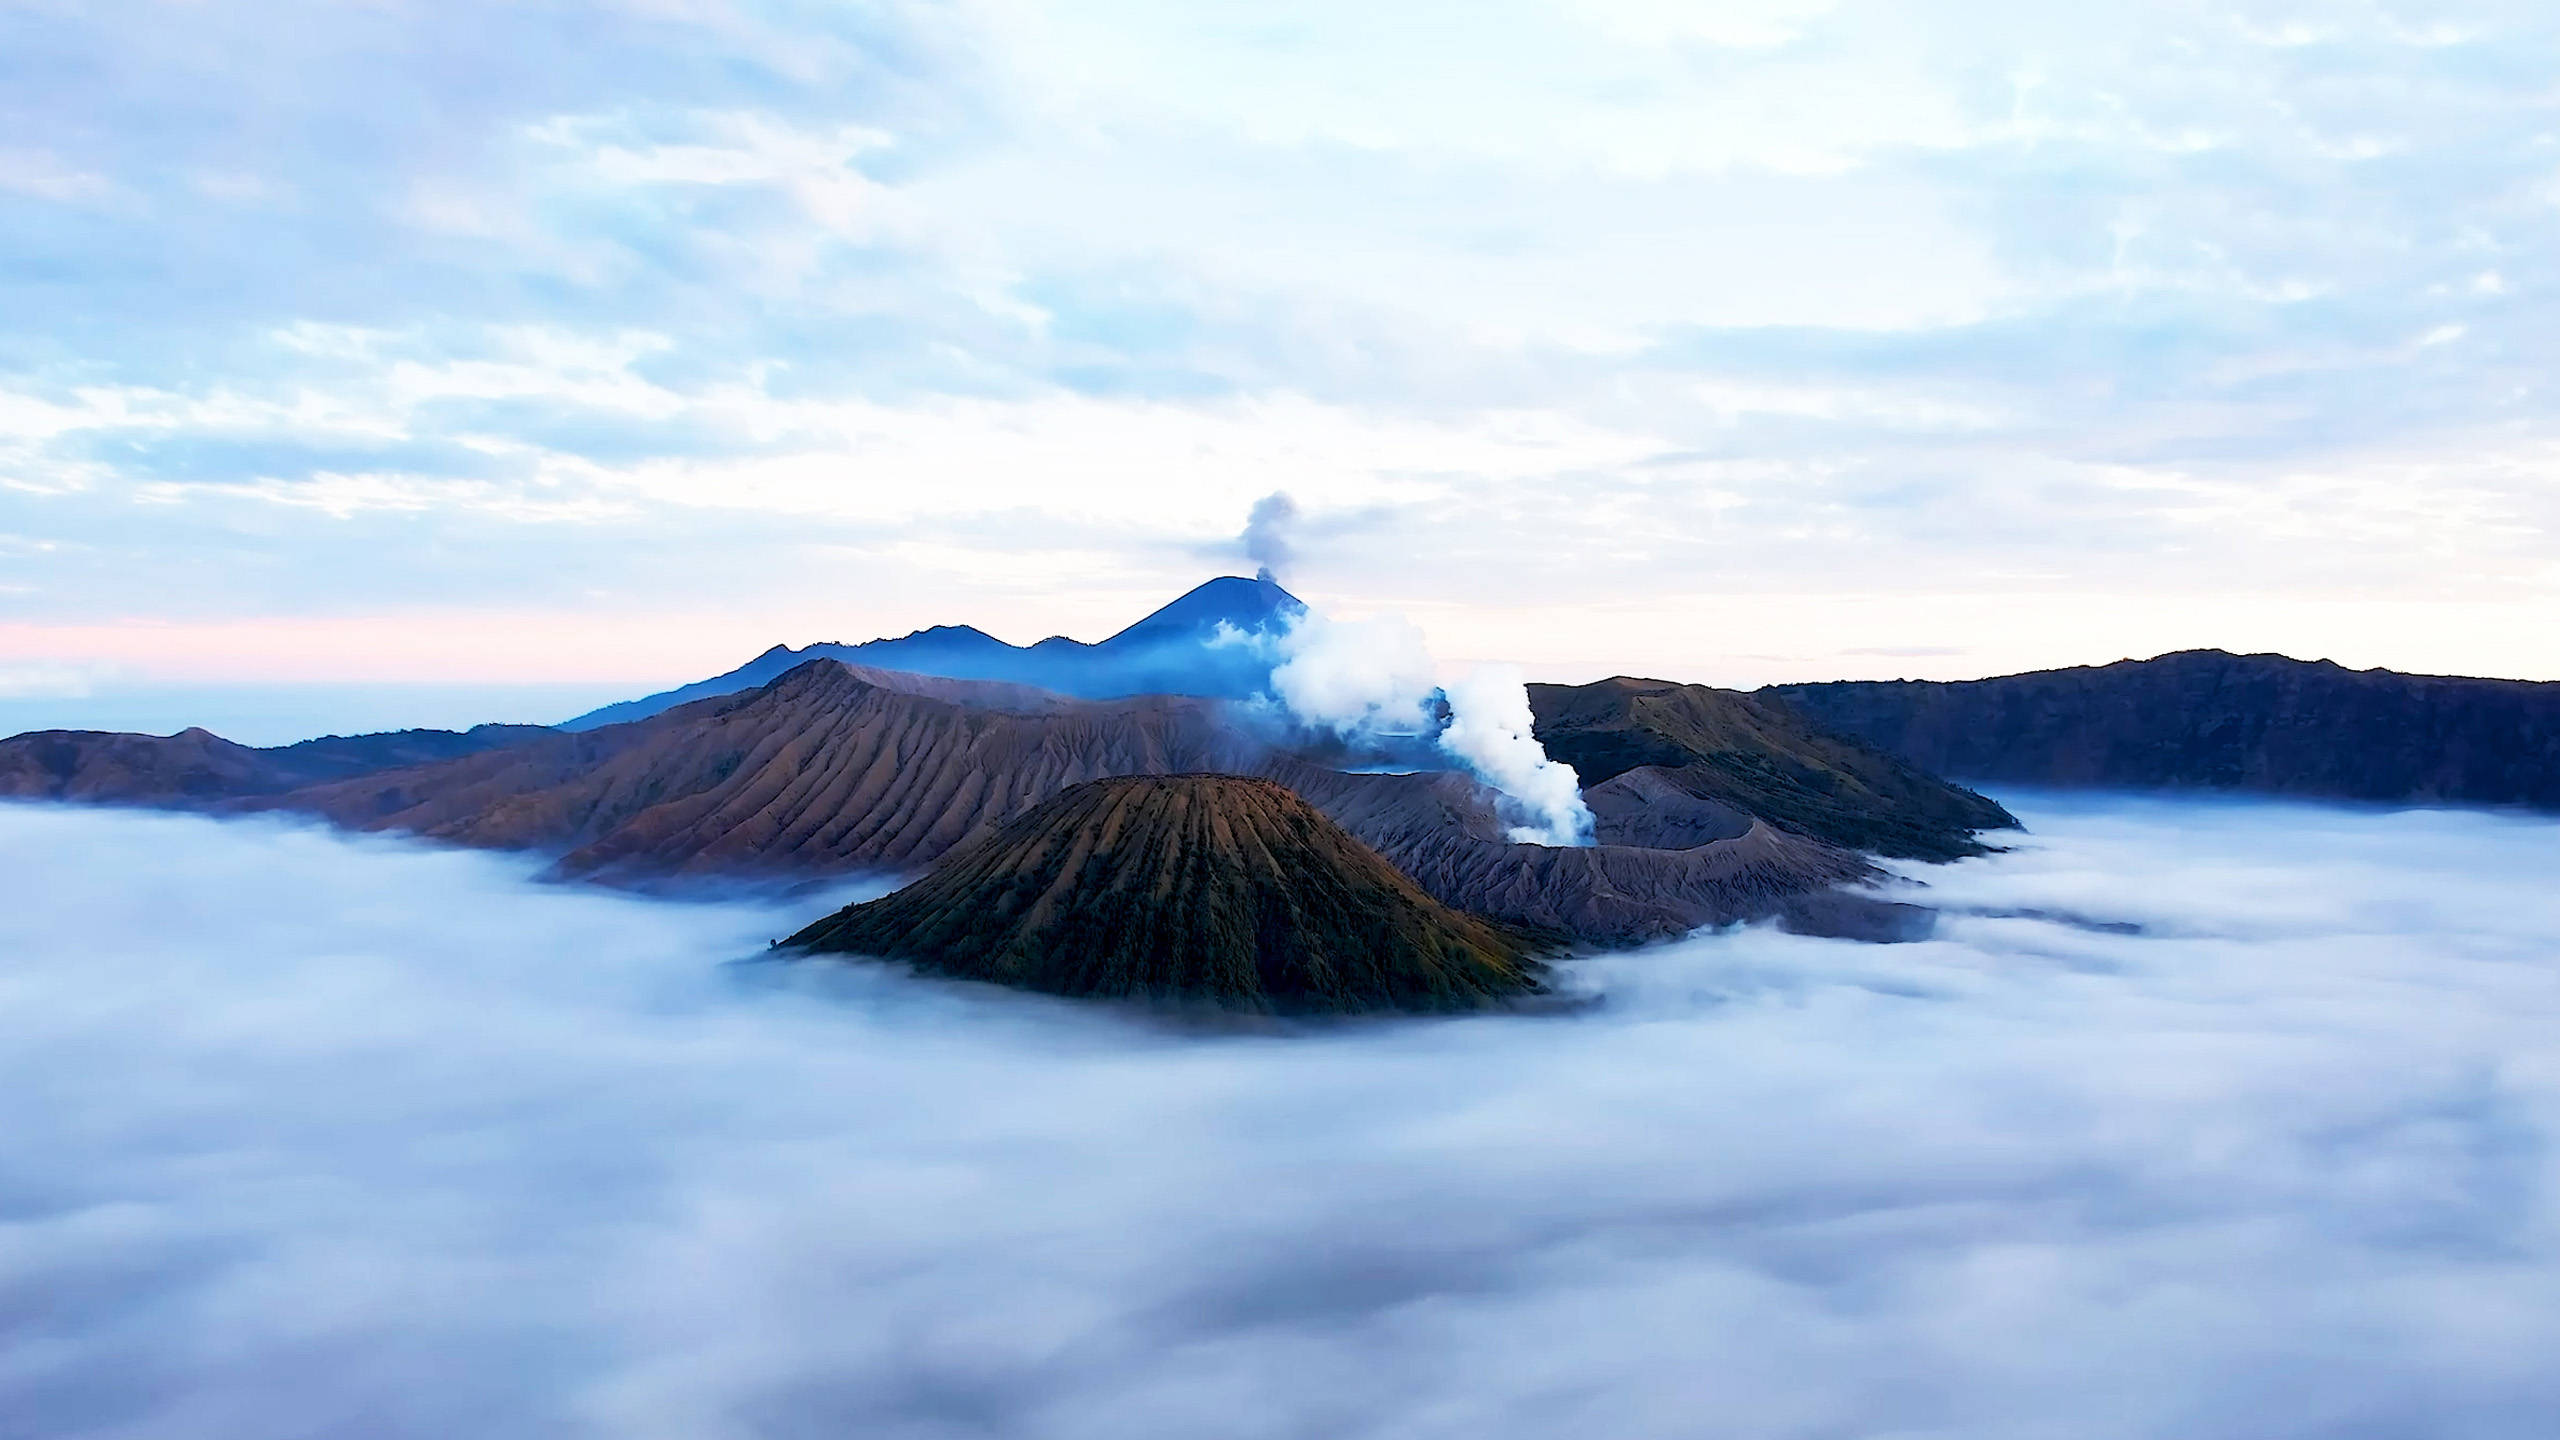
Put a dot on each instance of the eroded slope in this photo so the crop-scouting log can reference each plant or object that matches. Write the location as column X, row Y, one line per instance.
column 833, row 769
column 1212, row 888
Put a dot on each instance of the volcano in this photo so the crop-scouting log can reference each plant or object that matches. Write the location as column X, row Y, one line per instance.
column 1187, row 888
column 1186, row 648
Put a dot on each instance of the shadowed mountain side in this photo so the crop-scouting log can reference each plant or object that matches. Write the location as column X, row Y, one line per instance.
column 834, row 769
column 1174, row 651
column 2206, row 719
column 197, row 767
column 1690, row 759
column 1189, row 887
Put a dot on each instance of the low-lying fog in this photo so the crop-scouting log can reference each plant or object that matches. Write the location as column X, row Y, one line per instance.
column 314, row 1136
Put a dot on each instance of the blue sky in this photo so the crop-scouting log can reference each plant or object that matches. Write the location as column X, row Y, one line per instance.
column 474, row 343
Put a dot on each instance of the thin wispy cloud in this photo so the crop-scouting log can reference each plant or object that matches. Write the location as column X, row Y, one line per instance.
column 2212, row 318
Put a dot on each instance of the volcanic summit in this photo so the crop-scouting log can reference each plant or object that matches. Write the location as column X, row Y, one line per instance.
column 1192, row 888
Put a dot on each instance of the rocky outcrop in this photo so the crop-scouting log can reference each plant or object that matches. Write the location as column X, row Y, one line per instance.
column 1660, row 762
column 2205, row 719
column 1190, row 888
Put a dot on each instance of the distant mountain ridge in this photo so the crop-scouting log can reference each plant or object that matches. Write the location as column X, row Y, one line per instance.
column 2212, row 720
column 196, row 766
column 1176, row 650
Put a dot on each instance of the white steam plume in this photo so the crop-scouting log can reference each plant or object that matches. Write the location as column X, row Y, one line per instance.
column 1366, row 676
column 1376, row 677
column 1489, row 728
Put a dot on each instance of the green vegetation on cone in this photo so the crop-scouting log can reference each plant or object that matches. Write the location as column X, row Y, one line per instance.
column 1193, row 888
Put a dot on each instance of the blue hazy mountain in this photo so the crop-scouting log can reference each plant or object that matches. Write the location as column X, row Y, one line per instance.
column 1175, row 651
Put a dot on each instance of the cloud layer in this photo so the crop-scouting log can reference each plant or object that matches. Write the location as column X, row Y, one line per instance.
column 2020, row 334
column 2198, row 1121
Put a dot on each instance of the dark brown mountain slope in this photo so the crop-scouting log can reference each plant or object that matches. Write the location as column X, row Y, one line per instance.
column 2211, row 720
column 832, row 769
column 197, row 768
column 1440, row 827
column 1659, row 761
column 191, row 767
column 1207, row 888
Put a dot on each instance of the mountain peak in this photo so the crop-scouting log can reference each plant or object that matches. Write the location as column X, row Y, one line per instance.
column 1171, row 652
column 1245, row 602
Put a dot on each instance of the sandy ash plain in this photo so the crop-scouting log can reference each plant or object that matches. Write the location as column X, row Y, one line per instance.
column 2197, row 1119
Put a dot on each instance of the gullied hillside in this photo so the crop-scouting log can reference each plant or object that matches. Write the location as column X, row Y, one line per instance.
column 1207, row 888
column 1660, row 761
column 2211, row 720
column 834, row 768
column 829, row 769
column 196, row 767
column 1441, row 828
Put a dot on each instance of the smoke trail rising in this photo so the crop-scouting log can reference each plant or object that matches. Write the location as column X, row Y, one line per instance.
column 1266, row 537
column 1489, row 728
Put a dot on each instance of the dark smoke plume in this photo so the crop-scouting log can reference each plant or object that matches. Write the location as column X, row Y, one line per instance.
column 1266, row 534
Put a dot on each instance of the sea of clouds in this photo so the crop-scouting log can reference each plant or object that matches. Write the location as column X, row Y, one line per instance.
column 2195, row 1121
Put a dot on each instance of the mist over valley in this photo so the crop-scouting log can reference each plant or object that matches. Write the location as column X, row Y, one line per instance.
column 2220, row 1119
column 1771, row 720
